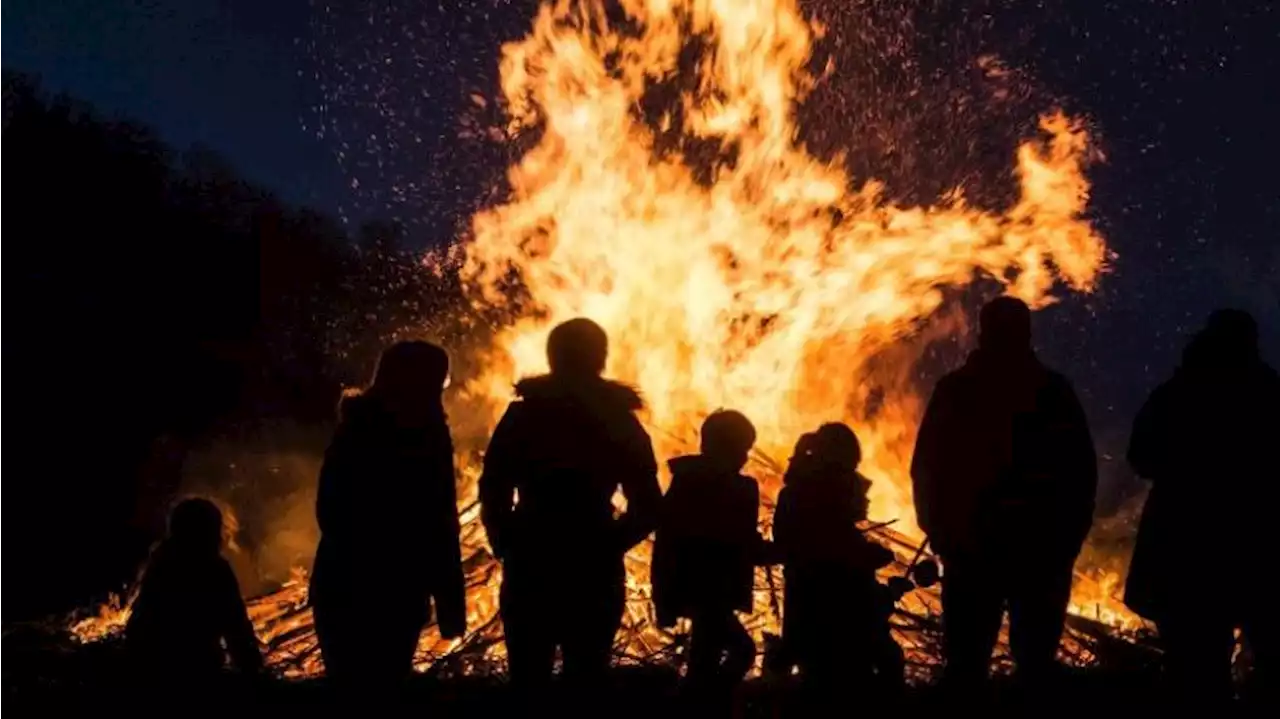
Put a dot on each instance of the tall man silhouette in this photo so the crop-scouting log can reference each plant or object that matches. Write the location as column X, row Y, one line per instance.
column 564, row 447
column 1205, row 439
column 1004, row 475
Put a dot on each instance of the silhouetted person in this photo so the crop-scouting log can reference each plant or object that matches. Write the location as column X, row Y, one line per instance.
column 389, row 531
column 706, row 549
column 1004, row 475
column 189, row 606
column 1206, row 440
column 564, row 446
column 835, row 613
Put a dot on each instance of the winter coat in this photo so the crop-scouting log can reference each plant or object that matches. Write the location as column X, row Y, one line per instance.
column 564, row 446
column 707, row 543
column 1206, row 441
column 388, row 516
column 1004, row 455
column 829, row 566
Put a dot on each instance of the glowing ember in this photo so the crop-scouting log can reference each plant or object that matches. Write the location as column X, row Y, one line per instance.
column 729, row 266
column 107, row 620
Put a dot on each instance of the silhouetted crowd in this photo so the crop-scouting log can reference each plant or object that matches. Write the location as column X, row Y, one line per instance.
column 1004, row 477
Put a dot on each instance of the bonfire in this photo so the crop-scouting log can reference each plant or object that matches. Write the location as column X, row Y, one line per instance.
column 761, row 278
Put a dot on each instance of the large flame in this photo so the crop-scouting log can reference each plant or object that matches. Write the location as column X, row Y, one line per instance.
column 666, row 196
column 757, row 276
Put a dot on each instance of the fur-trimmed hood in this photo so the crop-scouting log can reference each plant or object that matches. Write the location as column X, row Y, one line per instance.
column 602, row 396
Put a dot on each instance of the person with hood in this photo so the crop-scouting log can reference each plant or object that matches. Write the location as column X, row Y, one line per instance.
column 189, row 607
column 1205, row 439
column 564, row 446
column 706, row 549
column 1004, row 477
column 389, row 529
column 835, row 620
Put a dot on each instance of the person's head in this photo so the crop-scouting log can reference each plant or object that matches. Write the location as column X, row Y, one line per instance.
column 1229, row 339
column 578, row 347
column 837, row 450
column 196, row 524
column 727, row 438
column 1004, row 326
column 835, row 446
column 414, row 371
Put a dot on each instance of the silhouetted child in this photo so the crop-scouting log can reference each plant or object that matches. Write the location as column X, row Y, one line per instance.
column 706, row 548
column 835, row 613
column 189, row 605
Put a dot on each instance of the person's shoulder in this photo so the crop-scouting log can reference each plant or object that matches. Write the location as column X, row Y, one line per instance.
column 598, row 392
column 682, row 466
column 1056, row 381
column 218, row 567
column 1268, row 377
column 956, row 376
column 954, row 381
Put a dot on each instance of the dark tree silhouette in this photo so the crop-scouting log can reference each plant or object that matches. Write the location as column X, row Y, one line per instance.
column 156, row 297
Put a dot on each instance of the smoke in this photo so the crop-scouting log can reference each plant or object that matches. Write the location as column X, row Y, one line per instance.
column 265, row 475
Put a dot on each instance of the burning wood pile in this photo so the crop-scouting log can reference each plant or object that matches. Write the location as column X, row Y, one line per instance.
column 285, row 627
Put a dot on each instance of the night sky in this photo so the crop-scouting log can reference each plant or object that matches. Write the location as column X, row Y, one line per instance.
column 360, row 109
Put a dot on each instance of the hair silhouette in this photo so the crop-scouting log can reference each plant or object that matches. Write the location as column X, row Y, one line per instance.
column 577, row 347
column 1004, row 325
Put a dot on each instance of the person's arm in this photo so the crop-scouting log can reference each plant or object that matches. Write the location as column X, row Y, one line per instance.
column 1148, row 441
column 783, row 525
column 237, row 629
column 639, row 480
column 759, row 549
column 1081, row 481
column 929, row 458
column 331, row 502
column 665, row 547
column 872, row 555
column 497, row 487
column 451, row 593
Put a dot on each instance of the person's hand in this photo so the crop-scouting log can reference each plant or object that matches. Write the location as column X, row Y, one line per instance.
column 453, row 624
column 453, row 630
column 898, row 587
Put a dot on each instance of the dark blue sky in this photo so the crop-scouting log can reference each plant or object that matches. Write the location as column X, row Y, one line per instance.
column 225, row 73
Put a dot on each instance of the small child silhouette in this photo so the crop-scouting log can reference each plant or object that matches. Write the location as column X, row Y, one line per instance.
column 835, row 613
column 706, row 547
column 189, row 605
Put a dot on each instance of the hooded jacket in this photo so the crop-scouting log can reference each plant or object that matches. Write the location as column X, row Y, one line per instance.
column 707, row 544
column 564, row 446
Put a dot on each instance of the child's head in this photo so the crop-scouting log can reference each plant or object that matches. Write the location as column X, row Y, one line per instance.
column 834, row 445
column 196, row 523
column 831, row 452
column 727, row 437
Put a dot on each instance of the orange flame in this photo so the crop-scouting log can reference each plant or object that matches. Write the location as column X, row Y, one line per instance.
column 773, row 284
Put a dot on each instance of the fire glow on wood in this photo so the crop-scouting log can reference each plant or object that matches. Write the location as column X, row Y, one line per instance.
column 774, row 283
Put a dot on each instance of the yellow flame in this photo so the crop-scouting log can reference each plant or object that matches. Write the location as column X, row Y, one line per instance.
column 770, row 281
column 108, row 620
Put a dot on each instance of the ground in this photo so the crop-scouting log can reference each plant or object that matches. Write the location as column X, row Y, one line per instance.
column 45, row 673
